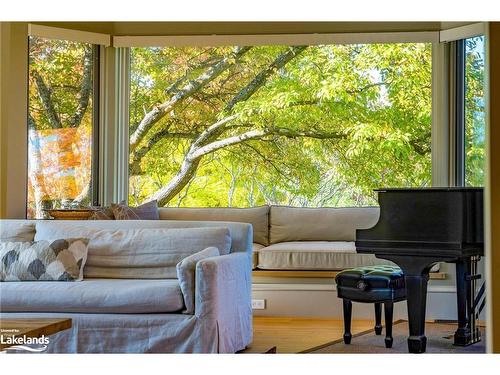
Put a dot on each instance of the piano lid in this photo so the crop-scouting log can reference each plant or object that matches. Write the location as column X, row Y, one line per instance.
column 426, row 220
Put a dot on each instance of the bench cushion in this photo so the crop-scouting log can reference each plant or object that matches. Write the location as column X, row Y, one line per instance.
column 314, row 255
column 92, row 296
column 319, row 224
column 371, row 284
column 255, row 254
column 257, row 216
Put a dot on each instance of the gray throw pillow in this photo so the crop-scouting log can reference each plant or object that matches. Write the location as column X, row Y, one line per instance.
column 146, row 211
column 58, row 260
column 102, row 213
column 186, row 271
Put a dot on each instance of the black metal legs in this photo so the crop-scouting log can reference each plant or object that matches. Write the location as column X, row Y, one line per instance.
column 378, row 318
column 347, row 320
column 388, row 312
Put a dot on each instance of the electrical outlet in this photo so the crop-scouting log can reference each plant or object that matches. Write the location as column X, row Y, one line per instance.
column 258, row 304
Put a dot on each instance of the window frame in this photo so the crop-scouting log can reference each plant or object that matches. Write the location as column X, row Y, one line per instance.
column 458, row 123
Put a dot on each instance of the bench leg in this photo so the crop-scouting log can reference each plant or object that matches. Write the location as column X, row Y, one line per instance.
column 389, row 310
column 378, row 318
column 347, row 320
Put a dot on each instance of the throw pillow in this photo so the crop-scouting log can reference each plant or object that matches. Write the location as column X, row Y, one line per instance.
column 102, row 213
column 146, row 211
column 186, row 271
column 59, row 260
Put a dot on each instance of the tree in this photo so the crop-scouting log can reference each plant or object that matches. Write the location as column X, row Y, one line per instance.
column 346, row 104
column 59, row 121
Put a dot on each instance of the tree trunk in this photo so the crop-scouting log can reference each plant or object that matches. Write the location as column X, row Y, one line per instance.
column 36, row 178
column 178, row 182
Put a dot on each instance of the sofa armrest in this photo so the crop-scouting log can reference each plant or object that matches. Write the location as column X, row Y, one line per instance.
column 223, row 295
column 224, row 284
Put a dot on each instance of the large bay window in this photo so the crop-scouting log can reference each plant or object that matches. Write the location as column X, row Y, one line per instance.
column 301, row 125
column 310, row 121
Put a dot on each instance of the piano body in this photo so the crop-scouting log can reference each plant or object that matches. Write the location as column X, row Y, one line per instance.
column 420, row 227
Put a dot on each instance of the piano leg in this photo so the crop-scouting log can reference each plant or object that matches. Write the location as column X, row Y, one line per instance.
column 416, row 296
column 416, row 271
column 467, row 332
column 462, row 334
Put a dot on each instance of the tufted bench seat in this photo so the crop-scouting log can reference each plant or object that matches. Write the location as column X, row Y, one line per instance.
column 371, row 284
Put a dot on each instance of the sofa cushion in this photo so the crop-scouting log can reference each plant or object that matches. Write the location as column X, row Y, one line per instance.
column 314, row 255
column 241, row 233
column 17, row 230
column 257, row 216
column 92, row 296
column 186, row 270
column 141, row 252
column 59, row 260
column 255, row 254
column 319, row 224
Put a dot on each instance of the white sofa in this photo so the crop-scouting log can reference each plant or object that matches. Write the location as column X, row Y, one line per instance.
column 135, row 314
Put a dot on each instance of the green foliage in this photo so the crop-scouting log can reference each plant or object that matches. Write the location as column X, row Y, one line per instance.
column 376, row 98
column 60, row 64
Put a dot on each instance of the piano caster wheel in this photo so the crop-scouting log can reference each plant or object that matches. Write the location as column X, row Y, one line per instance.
column 378, row 330
column 417, row 344
column 347, row 338
column 388, row 342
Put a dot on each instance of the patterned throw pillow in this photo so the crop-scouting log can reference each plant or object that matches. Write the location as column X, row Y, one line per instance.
column 59, row 260
column 146, row 211
column 102, row 213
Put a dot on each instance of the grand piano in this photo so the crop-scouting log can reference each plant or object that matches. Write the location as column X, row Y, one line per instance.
column 420, row 227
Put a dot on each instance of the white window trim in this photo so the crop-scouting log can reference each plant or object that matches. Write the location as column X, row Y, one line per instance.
column 50, row 32
column 275, row 39
column 462, row 32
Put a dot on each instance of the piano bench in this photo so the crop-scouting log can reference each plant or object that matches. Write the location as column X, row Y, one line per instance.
column 371, row 284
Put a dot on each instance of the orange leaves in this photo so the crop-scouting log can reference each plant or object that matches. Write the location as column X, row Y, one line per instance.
column 64, row 160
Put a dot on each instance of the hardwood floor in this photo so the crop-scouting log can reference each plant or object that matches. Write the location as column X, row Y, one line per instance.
column 299, row 335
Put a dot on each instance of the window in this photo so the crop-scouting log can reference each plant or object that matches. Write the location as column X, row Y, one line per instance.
column 308, row 126
column 61, row 125
column 474, row 123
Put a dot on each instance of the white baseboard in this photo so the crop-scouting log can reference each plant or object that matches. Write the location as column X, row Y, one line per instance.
column 321, row 300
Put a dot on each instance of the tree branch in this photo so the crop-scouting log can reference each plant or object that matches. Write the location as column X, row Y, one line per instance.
column 45, row 95
column 261, row 78
column 138, row 154
column 85, row 89
column 193, row 86
column 256, row 134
